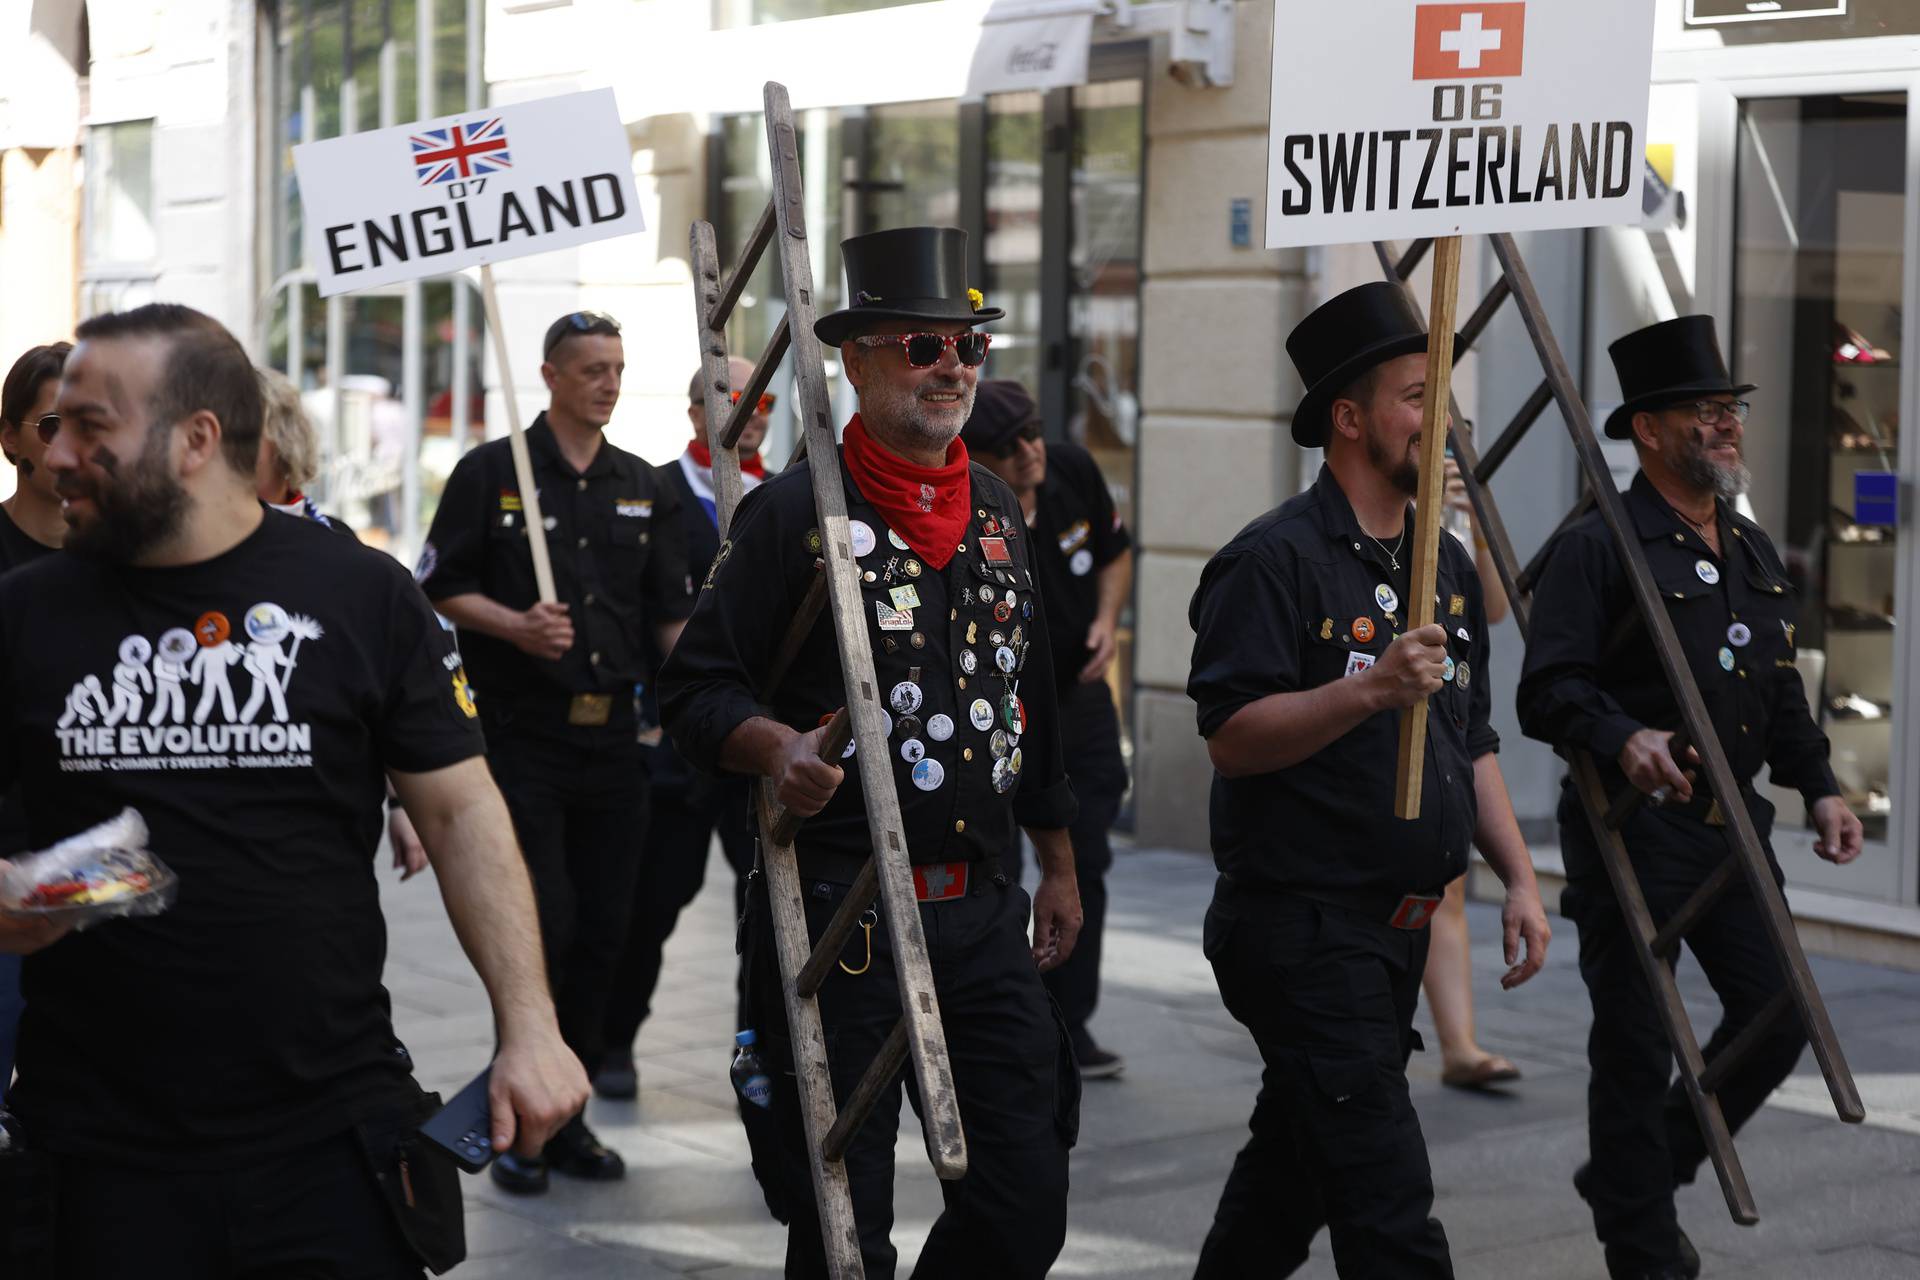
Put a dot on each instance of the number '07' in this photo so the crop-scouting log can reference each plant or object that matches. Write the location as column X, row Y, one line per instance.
column 1450, row 102
column 461, row 190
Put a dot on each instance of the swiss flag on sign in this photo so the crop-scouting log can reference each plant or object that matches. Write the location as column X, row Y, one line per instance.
column 1468, row 41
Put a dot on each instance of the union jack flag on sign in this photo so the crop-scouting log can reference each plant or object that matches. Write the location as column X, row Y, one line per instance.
column 460, row 151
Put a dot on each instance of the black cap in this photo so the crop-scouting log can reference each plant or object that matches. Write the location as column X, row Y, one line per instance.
column 908, row 273
column 1666, row 363
column 1001, row 406
column 1343, row 338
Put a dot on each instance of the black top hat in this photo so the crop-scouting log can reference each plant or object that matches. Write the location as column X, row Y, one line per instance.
column 1001, row 406
column 1665, row 364
column 1343, row 338
column 909, row 273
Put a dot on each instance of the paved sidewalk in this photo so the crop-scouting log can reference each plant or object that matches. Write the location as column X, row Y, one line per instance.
column 1838, row 1202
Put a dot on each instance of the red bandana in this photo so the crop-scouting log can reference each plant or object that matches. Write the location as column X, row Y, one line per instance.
column 927, row 506
column 751, row 463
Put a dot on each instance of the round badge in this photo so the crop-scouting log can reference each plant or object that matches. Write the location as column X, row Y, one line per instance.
column 847, row 754
column 886, row 719
column 135, row 650
column 928, row 775
column 909, row 727
column 1012, row 599
column 905, row 697
column 1726, row 658
column 1363, row 629
column 986, row 595
column 1082, row 563
column 1384, row 596
column 913, row 751
column 1003, row 778
column 212, row 629
column 996, row 638
column 863, row 539
column 1002, row 611
column 1003, row 658
column 1446, row 672
column 917, row 640
column 981, row 714
column 899, row 543
column 999, row 744
column 1014, row 759
column 266, row 624
column 969, row 661
column 1462, row 674
column 1013, row 713
column 1738, row 635
column 912, row 568
column 1708, row 572
column 176, row 644
column 1026, row 610
column 940, row 727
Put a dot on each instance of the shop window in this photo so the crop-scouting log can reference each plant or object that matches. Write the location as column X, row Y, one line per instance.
column 119, row 194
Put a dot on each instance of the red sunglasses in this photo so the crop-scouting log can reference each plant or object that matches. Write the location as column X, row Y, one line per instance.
column 766, row 400
column 925, row 349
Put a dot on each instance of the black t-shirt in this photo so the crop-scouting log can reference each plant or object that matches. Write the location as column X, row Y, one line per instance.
column 619, row 563
column 248, row 707
column 960, row 653
column 16, row 549
column 1076, row 533
column 1300, row 598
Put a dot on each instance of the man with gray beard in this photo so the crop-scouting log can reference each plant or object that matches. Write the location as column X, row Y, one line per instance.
column 959, row 640
column 1593, row 681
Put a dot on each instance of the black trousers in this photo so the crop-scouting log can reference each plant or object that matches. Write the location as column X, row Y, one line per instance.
column 1329, row 997
column 1641, row 1129
column 1019, row 1094
column 686, row 811
column 310, row 1214
column 579, row 808
column 1090, row 742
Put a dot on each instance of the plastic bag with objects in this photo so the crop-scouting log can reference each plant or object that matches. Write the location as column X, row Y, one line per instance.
column 104, row 873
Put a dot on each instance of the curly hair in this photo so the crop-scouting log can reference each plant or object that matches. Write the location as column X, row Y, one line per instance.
column 288, row 429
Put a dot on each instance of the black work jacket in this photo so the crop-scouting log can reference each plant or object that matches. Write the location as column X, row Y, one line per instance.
column 1592, row 678
column 619, row 557
column 1076, row 534
column 1300, row 598
column 966, row 767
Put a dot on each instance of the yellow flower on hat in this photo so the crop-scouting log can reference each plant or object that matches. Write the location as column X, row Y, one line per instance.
column 976, row 298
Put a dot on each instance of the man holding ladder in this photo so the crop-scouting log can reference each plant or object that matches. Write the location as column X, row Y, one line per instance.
column 1302, row 671
column 1593, row 682
column 960, row 647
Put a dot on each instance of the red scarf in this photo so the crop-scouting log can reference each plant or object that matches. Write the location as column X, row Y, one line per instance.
column 927, row 506
column 751, row 463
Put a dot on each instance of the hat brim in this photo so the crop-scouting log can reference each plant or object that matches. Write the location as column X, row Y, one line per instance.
column 1310, row 425
column 1619, row 425
column 836, row 327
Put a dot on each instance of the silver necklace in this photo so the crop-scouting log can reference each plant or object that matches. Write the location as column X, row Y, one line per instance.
column 1393, row 556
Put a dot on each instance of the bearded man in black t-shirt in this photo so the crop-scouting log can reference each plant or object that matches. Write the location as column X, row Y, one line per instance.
column 222, row 1082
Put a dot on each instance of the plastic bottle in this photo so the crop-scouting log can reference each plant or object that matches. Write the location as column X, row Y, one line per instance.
column 750, row 1079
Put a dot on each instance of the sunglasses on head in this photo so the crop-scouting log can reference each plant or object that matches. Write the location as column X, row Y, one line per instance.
column 766, row 401
column 580, row 322
column 925, row 349
column 1027, row 434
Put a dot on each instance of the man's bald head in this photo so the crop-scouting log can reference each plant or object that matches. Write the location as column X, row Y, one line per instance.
column 739, row 371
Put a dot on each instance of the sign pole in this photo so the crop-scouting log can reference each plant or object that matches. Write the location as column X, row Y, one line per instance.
column 522, row 460
column 1428, row 507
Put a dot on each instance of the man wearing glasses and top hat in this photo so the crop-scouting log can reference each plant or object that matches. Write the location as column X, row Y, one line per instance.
column 1302, row 667
column 554, row 683
column 959, row 641
column 1594, row 681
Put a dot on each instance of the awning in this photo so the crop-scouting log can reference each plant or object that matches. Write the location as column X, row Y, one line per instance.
column 1030, row 45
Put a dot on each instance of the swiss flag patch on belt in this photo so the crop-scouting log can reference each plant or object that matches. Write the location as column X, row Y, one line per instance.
column 938, row 881
column 1414, row 912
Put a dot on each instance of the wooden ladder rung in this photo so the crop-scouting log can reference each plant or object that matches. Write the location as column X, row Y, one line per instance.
column 880, row 1073
column 1516, row 430
column 1727, row 1061
column 1666, row 943
column 722, row 308
column 797, row 632
column 859, row 900
column 1482, row 315
column 763, row 369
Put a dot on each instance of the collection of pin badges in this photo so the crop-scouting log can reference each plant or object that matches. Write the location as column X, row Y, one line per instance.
column 1004, row 620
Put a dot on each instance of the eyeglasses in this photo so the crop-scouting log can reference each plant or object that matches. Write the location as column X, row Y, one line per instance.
column 48, row 427
column 579, row 322
column 1712, row 412
column 1026, row 434
column 925, row 349
column 766, row 401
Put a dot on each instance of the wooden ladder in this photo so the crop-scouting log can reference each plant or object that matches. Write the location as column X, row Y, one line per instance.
column 836, row 584
column 1657, row 948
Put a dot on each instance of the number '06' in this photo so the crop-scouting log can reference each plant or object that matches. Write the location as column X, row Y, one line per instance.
column 1450, row 102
